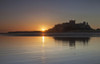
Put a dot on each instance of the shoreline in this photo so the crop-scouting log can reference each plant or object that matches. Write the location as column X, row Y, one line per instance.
column 71, row 34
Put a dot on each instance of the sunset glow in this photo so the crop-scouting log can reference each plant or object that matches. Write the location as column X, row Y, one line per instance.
column 43, row 29
column 43, row 40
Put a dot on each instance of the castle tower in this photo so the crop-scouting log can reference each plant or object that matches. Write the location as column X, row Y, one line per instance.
column 84, row 23
column 72, row 21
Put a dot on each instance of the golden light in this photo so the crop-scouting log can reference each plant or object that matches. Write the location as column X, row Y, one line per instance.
column 43, row 40
column 43, row 29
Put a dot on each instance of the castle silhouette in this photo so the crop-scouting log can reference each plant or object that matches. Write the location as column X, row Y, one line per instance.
column 71, row 26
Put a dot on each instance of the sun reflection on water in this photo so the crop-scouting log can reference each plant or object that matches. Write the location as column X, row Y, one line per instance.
column 43, row 57
column 43, row 40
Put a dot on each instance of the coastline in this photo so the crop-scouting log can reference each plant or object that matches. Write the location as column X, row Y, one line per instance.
column 70, row 34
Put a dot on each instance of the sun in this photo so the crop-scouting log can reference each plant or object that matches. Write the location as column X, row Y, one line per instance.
column 43, row 29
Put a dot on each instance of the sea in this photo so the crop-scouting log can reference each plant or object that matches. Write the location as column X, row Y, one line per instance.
column 49, row 50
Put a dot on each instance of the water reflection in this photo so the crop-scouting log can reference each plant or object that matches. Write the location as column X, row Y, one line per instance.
column 72, row 40
column 43, row 57
column 49, row 50
column 43, row 40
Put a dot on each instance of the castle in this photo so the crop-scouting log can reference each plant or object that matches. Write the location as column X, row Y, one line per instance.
column 71, row 26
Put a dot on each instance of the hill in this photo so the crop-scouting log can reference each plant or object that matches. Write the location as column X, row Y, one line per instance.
column 72, row 26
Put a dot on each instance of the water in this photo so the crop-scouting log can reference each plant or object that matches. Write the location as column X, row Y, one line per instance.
column 49, row 50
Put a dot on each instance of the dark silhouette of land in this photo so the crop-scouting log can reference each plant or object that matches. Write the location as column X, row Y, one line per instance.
column 72, row 26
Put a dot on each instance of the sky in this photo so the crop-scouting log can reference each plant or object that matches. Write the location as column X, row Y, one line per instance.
column 30, row 15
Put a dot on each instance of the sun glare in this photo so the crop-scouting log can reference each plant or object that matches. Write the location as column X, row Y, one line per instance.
column 43, row 40
column 43, row 29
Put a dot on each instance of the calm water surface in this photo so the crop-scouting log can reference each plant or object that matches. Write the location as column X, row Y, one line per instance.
column 49, row 50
